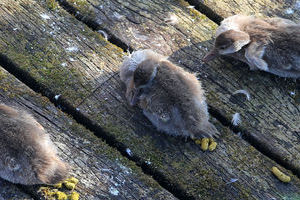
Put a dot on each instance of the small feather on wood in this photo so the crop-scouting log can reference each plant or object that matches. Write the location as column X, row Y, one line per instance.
column 245, row 92
column 236, row 119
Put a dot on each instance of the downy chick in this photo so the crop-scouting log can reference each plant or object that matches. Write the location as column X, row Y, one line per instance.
column 171, row 98
column 27, row 154
column 269, row 44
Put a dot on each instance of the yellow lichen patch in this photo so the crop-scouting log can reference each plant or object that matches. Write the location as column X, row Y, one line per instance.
column 74, row 196
column 50, row 194
column 69, row 185
column 58, row 185
column 44, row 190
column 197, row 141
column 212, row 146
column 73, row 180
column 280, row 175
column 204, row 144
column 55, row 194
column 60, row 195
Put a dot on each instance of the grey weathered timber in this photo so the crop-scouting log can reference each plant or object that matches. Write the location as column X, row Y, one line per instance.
column 103, row 172
column 271, row 118
column 289, row 9
column 10, row 191
column 67, row 58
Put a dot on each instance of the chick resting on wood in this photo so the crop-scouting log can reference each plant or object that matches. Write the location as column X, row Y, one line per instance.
column 268, row 44
column 171, row 98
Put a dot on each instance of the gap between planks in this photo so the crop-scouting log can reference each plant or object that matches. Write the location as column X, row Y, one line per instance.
column 94, row 25
column 209, row 13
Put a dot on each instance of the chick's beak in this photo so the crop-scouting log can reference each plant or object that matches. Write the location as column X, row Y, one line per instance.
column 131, row 94
column 134, row 97
column 210, row 55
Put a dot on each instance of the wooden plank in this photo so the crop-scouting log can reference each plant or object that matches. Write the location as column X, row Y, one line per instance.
column 10, row 191
column 289, row 9
column 181, row 164
column 52, row 40
column 270, row 119
column 103, row 172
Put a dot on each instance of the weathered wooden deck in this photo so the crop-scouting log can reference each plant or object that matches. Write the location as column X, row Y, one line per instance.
column 115, row 152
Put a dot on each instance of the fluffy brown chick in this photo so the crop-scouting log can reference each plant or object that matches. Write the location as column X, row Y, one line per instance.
column 27, row 154
column 268, row 44
column 171, row 98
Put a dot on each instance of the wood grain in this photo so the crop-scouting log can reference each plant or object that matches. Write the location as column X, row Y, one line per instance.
column 89, row 81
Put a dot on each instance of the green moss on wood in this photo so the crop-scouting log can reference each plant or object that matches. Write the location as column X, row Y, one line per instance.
column 8, row 87
column 102, row 149
column 52, row 4
column 3, row 75
column 83, row 7
column 99, row 39
column 44, row 64
column 43, row 59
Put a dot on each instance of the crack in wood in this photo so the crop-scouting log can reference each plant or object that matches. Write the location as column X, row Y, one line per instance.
column 94, row 25
column 208, row 12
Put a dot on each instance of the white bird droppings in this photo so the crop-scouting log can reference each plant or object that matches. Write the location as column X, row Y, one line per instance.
column 289, row 11
column 292, row 93
column 72, row 59
column 148, row 162
column 63, row 64
column 114, row 191
column 72, row 49
column 45, row 16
